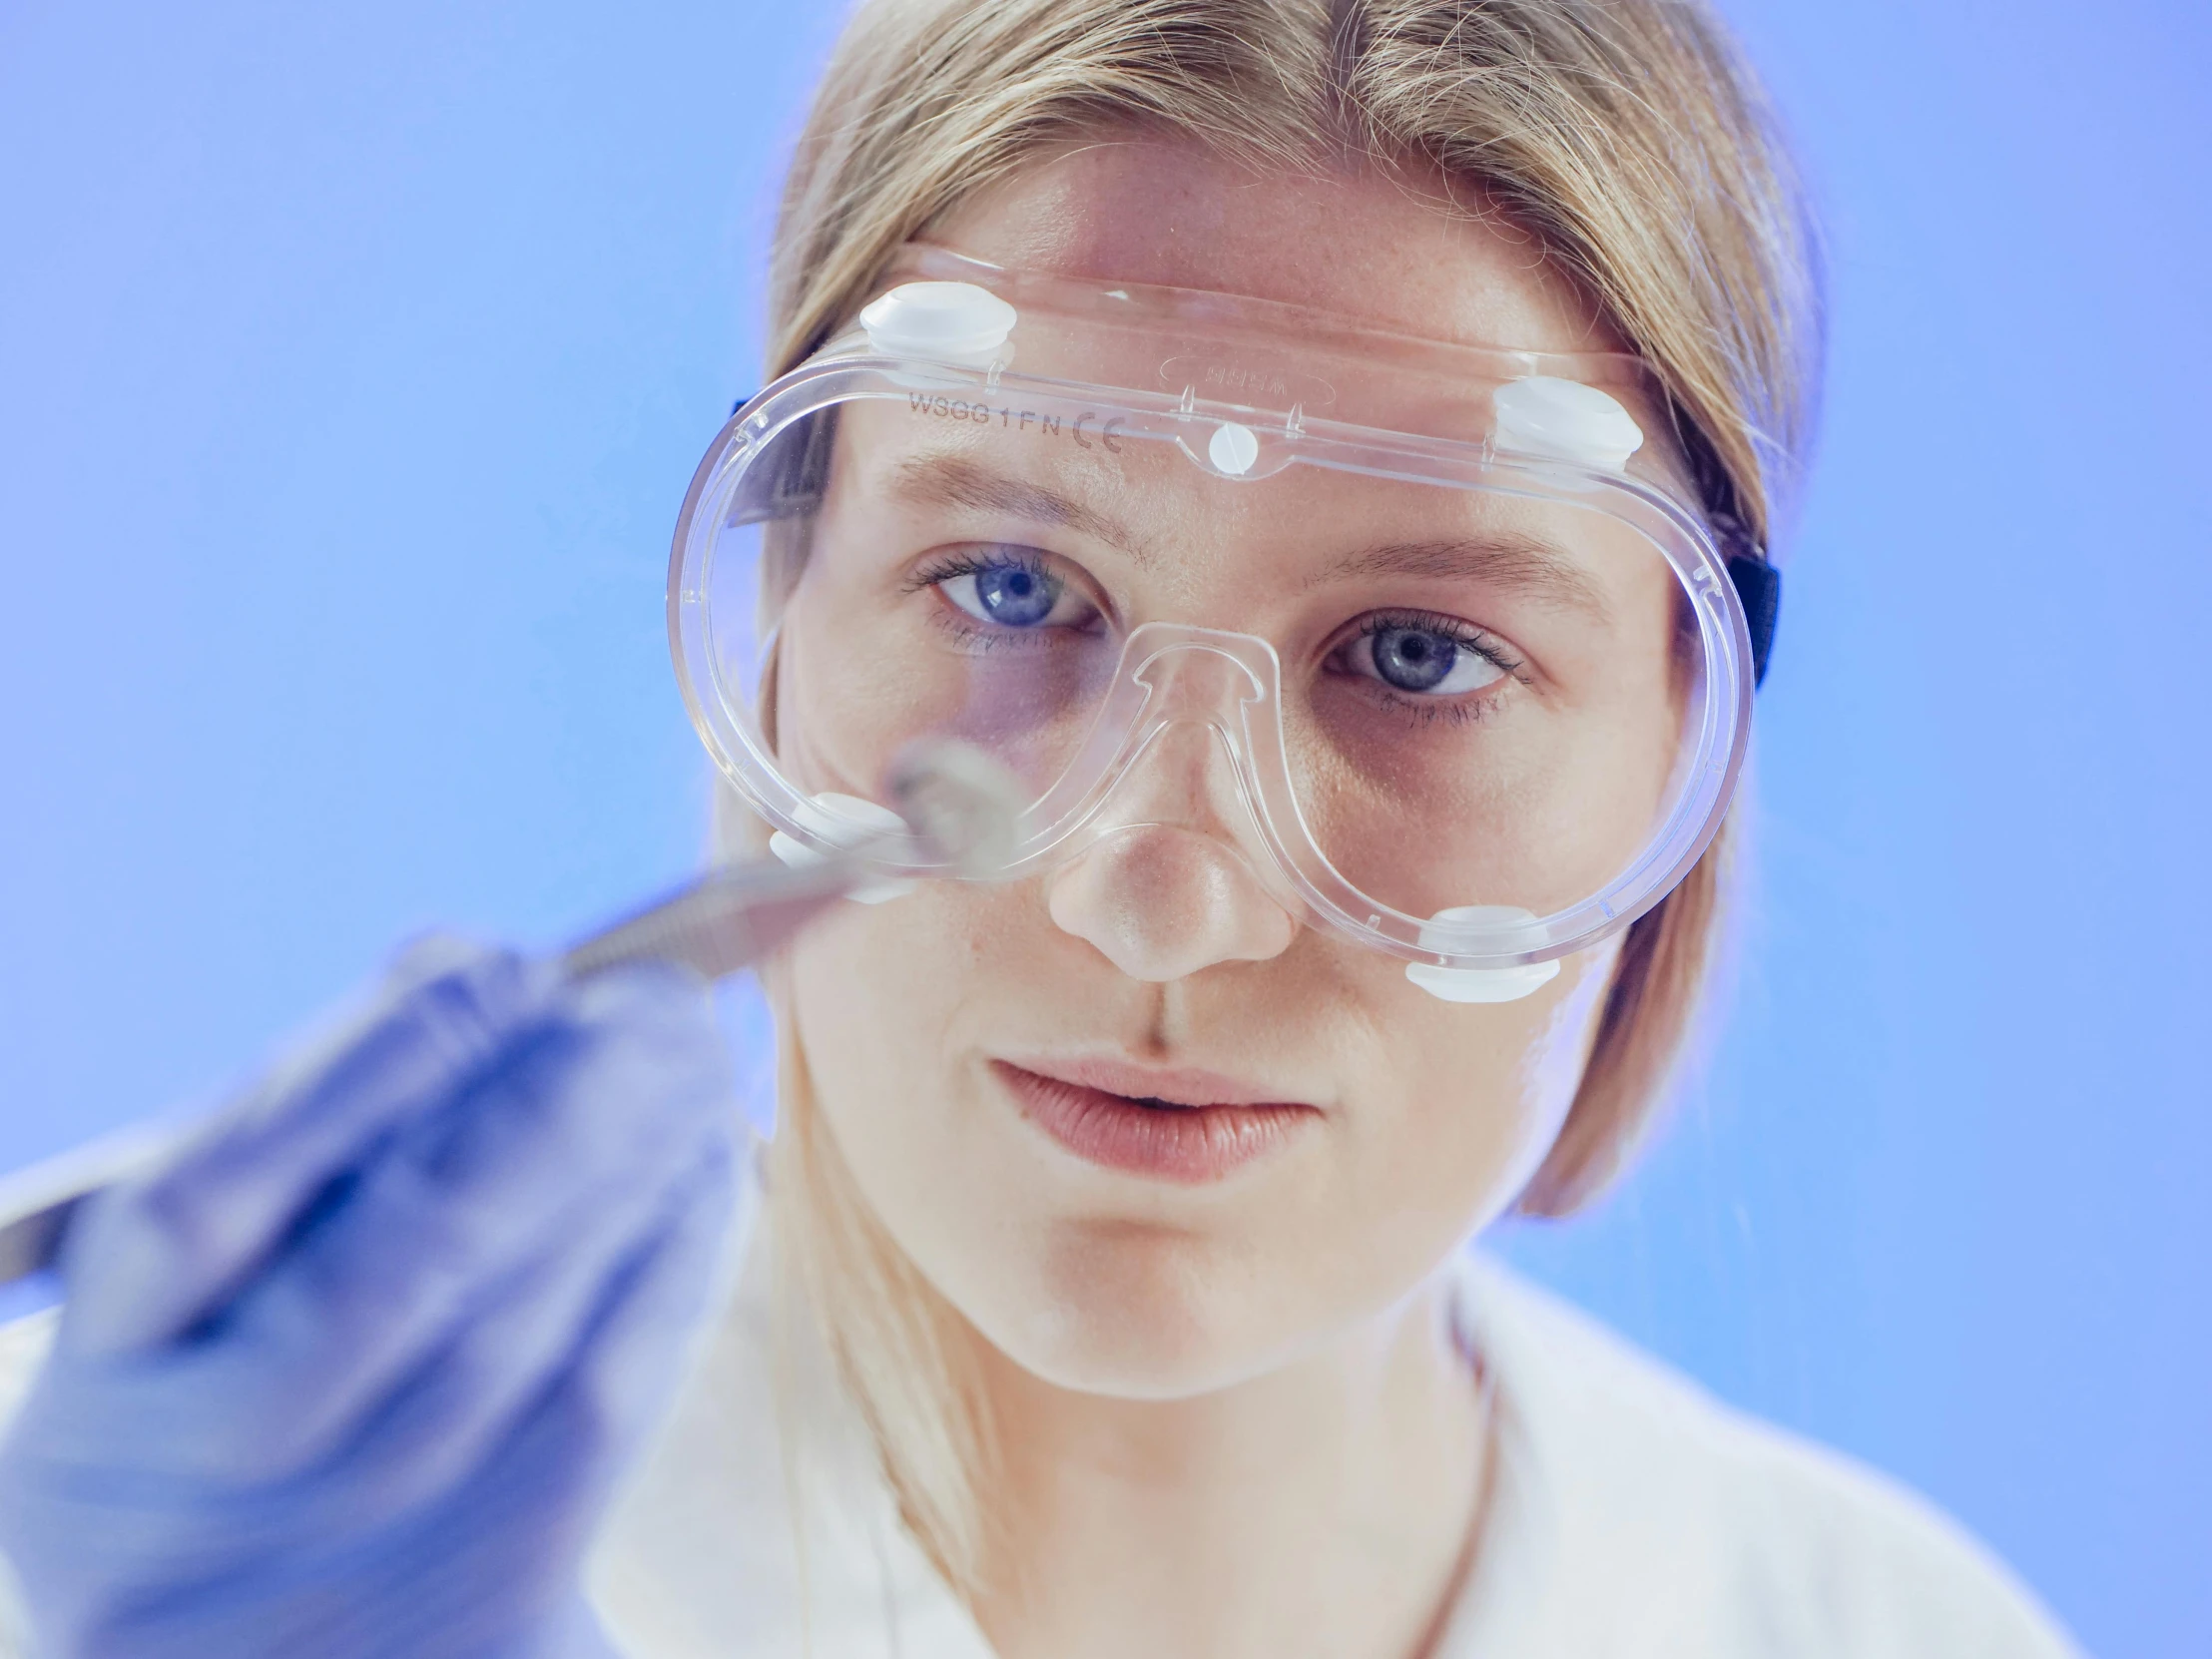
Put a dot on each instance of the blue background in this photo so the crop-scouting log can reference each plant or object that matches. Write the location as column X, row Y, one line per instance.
column 355, row 357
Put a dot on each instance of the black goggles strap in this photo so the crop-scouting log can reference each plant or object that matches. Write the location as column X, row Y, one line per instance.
column 1759, row 586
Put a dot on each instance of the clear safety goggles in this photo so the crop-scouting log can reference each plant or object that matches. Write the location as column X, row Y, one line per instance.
column 1428, row 639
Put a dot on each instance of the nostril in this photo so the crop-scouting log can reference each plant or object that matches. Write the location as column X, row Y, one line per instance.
column 1162, row 903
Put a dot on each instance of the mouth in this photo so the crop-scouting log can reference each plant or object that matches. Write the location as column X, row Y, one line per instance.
column 1187, row 1127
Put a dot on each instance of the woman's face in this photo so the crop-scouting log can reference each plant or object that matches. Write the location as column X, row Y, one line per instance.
column 1149, row 1134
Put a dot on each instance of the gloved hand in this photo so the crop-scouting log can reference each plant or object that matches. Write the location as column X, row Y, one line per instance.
column 353, row 1376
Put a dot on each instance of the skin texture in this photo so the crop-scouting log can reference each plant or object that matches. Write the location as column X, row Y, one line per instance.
column 1236, row 1419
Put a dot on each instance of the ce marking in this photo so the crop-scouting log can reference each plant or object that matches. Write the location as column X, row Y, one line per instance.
column 1106, row 430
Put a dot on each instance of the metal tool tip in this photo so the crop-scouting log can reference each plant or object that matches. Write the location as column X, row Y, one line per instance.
column 964, row 804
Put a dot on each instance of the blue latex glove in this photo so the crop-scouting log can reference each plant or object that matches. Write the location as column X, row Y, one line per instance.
column 353, row 1376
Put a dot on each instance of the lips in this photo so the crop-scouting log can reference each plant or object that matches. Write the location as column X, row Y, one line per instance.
column 1188, row 1127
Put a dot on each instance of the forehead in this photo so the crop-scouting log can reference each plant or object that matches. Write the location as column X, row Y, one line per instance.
column 900, row 480
column 1399, row 249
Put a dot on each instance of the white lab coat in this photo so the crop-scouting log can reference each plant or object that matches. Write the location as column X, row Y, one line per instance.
column 1632, row 1518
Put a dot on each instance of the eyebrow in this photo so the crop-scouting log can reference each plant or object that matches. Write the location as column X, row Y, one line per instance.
column 946, row 481
column 1510, row 564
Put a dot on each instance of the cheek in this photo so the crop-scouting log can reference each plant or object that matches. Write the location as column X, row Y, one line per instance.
column 880, row 996
column 1490, row 1098
column 1462, row 1107
column 873, row 989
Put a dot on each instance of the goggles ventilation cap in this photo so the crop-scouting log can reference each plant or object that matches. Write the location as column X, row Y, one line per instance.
column 1564, row 419
column 959, row 323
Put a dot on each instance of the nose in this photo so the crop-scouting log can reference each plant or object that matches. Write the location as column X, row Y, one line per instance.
column 1163, row 891
column 1160, row 901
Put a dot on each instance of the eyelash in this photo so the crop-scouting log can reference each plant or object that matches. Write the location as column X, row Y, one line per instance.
column 946, row 567
column 1428, row 711
column 939, row 569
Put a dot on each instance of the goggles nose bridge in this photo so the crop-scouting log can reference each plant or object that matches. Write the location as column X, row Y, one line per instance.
column 1200, row 671
column 1186, row 763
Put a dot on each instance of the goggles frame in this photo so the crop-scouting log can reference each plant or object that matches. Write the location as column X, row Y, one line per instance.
column 855, row 368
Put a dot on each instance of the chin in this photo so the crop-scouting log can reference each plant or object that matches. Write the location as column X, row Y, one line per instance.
column 1137, row 1311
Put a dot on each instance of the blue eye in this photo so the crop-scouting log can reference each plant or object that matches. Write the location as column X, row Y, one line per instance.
column 1424, row 660
column 1020, row 597
column 1011, row 593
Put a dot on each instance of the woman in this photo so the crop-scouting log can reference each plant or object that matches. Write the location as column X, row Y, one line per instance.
column 1326, row 454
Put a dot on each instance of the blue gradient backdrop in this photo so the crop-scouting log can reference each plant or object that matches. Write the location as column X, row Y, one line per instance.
column 354, row 360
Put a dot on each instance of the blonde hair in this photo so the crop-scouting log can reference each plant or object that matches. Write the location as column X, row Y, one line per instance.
column 1626, row 135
